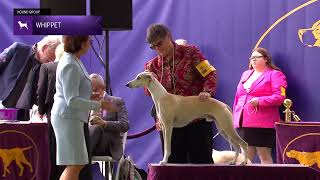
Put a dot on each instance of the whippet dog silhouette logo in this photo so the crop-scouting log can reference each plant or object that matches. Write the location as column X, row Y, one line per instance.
column 23, row 25
column 315, row 30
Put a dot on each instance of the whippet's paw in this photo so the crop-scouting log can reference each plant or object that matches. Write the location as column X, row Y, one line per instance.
column 162, row 163
column 232, row 162
column 243, row 163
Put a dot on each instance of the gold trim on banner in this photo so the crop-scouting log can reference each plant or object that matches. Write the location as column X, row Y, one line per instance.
column 282, row 18
column 306, row 125
column 34, row 145
column 293, row 140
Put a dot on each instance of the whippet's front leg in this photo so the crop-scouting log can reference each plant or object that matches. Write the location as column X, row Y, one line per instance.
column 167, row 134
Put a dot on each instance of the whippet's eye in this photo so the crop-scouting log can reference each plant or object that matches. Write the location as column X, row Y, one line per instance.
column 138, row 77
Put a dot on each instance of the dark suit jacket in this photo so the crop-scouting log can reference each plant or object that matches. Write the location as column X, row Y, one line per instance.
column 105, row 140
column 46, row 87
column 13, row 61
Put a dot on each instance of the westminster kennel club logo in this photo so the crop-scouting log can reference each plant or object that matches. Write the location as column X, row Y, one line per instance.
column 299, row 150
column 305, row 158
column 18, row 155
column 310, row 36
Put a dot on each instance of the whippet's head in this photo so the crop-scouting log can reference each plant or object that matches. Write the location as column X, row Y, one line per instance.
column 143, row 79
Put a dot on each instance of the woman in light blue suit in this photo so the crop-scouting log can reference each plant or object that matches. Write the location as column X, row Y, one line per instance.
column 72, row 105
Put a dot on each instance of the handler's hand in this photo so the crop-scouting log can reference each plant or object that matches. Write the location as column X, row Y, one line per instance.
column 204, row 96
column 254, row 102
column 96, row 120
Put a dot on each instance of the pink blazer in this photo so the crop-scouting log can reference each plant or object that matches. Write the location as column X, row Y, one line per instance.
column 270, row 90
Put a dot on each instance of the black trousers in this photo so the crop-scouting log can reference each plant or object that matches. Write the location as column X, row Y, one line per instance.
column 56, row 170
column 192, row 143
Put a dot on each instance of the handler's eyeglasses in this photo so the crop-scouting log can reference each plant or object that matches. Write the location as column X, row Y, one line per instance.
column 255, row 57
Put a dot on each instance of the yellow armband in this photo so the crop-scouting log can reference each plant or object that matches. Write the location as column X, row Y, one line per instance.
column 205, row 68
column 283, row 91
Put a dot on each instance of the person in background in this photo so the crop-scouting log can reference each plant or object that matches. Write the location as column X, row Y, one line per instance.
column 106, row 128
column 71, row 106
column 46, row 91
column 183, row 70
column 19, row 71
column 46, row 84
column 181, row 42
column 260, row 93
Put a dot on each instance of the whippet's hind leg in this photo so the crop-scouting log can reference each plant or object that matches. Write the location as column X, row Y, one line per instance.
column 236, row 139
column 237, row 150
column 233, row 144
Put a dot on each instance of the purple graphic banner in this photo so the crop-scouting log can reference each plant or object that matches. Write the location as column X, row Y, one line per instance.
column 57, row 25
column 24, row 151
column 298, row 143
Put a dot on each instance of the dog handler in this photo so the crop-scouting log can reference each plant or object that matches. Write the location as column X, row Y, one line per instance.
column 183, row 70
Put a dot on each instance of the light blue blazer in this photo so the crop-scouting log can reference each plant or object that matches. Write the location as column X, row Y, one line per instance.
column 73, row 90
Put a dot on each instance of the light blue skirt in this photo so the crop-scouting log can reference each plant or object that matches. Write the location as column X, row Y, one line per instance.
column 70, row 140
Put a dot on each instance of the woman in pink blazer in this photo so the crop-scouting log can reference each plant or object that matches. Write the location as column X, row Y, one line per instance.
column 260, row 93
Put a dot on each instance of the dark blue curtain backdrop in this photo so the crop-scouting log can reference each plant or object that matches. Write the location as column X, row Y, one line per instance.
column 226, row 32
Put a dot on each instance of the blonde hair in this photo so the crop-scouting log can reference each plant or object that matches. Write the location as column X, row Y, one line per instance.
column 51, row 40
column 59, row 52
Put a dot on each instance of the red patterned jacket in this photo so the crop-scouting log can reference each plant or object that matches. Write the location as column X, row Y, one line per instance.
column 186, row 80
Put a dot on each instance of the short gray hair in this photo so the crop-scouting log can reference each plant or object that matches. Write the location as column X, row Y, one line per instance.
column 156, row 32
column 98, row 78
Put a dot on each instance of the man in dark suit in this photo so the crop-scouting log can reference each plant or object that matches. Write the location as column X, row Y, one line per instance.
column 106, row 128
column 19, row 70
column 46, row 88
column 46, row 91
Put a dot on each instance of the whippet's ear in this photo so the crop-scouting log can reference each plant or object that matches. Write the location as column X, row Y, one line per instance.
column 150, row 77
